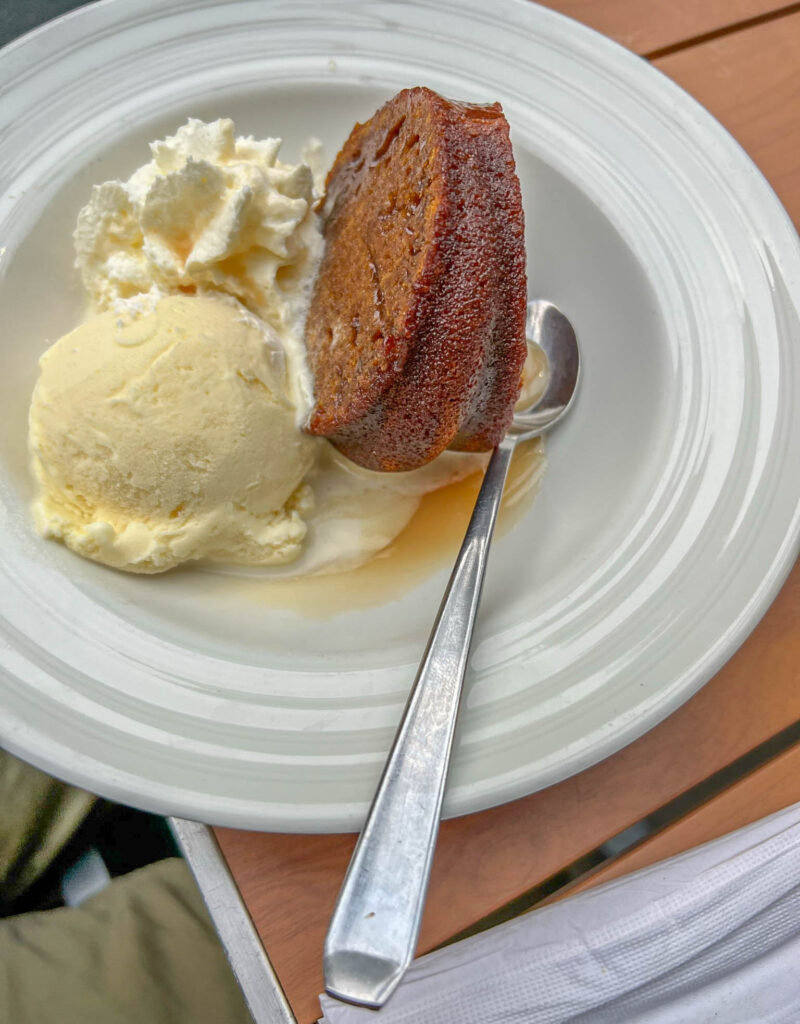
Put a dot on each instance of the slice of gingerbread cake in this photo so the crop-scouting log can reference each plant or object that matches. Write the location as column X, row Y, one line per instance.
column 416, row 330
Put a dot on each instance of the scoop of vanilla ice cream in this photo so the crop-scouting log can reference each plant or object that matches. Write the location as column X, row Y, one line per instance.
column 210, row 213
column 170, row 436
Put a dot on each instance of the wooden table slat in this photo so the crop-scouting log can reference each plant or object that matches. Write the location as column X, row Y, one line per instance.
column 750, row 81
column 769, row 789
column 649, row 25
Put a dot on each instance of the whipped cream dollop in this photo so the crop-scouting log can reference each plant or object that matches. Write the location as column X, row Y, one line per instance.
column 209, row 214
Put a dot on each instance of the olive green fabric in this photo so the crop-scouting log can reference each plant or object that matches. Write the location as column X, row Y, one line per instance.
column 142, row 951
column 38, row 817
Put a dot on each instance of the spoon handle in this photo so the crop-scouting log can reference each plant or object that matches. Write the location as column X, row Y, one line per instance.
column 374, row 928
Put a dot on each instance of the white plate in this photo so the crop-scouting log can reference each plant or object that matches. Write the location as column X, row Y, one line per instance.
column 669, row 514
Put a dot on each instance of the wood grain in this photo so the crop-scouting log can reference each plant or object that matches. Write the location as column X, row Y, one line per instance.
column 648, row 25
column 290, row 882
column 772, row 787
column 750, row 81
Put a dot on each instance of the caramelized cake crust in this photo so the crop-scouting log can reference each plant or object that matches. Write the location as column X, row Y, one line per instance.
column 416, row 331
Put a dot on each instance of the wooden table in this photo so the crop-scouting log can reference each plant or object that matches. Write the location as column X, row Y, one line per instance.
column 728, row 756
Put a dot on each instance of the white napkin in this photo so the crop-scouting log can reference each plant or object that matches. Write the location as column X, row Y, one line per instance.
column 710, row 935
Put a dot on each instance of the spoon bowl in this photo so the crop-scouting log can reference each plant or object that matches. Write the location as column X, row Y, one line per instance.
column 375, row 924
column 547, row 327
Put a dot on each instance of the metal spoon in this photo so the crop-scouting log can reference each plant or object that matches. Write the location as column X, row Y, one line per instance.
column 374, row 928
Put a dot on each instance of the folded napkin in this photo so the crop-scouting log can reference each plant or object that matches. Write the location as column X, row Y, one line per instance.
column 710, row 935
